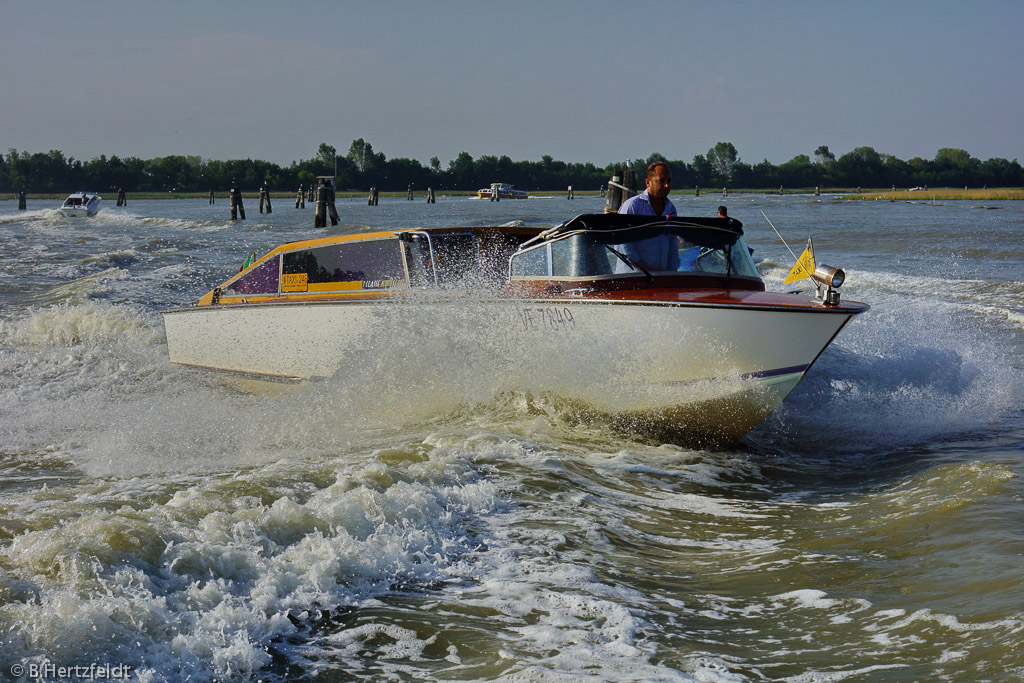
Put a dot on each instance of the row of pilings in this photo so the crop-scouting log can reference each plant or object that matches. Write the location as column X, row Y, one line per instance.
column 321, row 194
column 621, row 187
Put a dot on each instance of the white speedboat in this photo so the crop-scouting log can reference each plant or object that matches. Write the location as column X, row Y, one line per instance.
column 80, row 204
column 503, row 190
column 692, row 350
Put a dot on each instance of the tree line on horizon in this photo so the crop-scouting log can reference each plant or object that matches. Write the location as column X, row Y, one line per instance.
column 362, row 168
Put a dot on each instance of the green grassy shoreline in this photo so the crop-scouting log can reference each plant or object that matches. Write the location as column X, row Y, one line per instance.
column 943, row 193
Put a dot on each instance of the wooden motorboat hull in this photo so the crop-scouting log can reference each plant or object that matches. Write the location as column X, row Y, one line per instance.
column 711, row 369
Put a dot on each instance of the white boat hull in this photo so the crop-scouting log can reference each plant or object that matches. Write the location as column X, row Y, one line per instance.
column 78, row 213
column 718, row 370
column 82, row 210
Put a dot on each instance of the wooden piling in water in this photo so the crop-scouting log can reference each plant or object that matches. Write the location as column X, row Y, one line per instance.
column 325, row 203
column 236, row 203
column 569, row 194
column 374, row 197
column 408, row 193
column 430, row 196
column 22, row 201
column 614, row 199
column 320, row 214
column 300, row 199
column 265, row 198
column 331, row 209
column 122, row 199
column 621, row 187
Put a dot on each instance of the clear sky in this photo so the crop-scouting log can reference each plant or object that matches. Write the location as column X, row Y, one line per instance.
column 599, row 81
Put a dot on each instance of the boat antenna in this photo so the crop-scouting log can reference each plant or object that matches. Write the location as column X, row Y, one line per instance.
column 814, row 281
column 779, row 234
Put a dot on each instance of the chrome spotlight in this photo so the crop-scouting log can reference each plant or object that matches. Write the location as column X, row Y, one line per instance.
column 832, row 278
column 829, row 276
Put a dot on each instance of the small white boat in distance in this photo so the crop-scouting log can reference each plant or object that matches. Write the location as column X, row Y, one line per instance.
column 504, row 190
column 81, row 204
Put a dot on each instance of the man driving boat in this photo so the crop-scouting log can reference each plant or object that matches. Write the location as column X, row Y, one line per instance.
column 655, row 253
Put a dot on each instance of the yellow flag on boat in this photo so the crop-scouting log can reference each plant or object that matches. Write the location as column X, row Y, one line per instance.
column 804, row 265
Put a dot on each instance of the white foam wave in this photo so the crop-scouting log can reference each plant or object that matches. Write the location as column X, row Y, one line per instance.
column 30, row 216
column 201, row 581
column 909, row 370
column 68, row 368
column 1014, row 317
column 69, row 325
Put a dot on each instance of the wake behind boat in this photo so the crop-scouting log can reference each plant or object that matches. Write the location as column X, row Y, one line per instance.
column 81, row 204
column 693, row 350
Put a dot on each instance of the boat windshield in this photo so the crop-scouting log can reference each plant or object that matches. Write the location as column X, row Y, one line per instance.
column 637, row 252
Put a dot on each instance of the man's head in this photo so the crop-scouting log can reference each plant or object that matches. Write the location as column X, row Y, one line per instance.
column 658, row 179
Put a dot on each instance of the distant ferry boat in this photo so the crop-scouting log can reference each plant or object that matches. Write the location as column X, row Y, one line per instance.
column 505, row 191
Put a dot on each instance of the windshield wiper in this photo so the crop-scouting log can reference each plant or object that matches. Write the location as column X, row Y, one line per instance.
column 635, row 265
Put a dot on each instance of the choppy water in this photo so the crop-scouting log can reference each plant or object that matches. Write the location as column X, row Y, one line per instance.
column 387, row 525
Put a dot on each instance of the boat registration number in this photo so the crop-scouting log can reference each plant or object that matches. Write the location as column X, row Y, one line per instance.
column 547, row 319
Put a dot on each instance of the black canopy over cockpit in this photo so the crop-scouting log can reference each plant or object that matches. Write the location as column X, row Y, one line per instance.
column 613, row 228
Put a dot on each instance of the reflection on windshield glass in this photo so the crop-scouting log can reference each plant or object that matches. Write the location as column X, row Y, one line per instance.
column 583, row 256
column 660, row 252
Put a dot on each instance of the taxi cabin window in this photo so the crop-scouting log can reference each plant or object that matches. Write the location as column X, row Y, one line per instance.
column 417, row 257
column 456, row 257
column 372, row 264
column 263, row 279
column 441, row 259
